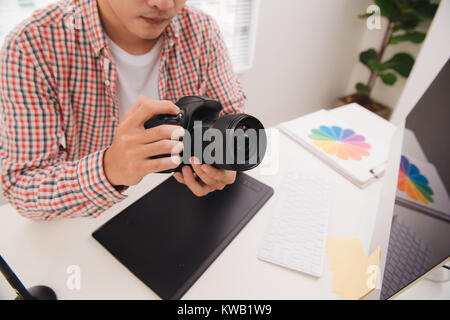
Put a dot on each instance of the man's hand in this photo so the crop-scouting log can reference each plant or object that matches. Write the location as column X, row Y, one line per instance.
column 209, row 178
column 127, row 161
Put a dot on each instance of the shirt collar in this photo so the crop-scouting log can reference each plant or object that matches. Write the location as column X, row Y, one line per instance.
column 93, row 25
column 172, row 31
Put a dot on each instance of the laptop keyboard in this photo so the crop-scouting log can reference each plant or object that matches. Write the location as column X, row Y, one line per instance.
column 408, row 258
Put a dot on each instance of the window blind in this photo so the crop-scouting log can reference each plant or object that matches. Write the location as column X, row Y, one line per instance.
column 237, row 21
column 12, row 12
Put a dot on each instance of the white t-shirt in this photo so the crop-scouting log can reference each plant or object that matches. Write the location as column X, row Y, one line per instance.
column 136, row 75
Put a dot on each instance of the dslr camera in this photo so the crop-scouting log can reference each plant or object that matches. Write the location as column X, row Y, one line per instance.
column 235, row 142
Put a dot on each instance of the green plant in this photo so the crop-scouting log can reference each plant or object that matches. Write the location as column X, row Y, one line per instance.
column 404, row 17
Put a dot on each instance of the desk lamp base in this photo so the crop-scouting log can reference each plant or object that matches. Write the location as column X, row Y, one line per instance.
column 41, row 293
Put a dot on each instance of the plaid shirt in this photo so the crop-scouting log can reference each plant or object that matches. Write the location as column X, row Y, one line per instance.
column 59, row 110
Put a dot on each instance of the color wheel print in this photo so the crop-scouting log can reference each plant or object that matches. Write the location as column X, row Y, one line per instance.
column 414, row 184
column 345, row 144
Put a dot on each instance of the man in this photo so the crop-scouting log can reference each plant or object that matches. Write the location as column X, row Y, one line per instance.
column 77, row 82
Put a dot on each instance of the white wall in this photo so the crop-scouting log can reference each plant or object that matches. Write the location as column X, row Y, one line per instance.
column 305, row 52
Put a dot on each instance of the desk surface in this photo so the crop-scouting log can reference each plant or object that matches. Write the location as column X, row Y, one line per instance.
column 41, row 253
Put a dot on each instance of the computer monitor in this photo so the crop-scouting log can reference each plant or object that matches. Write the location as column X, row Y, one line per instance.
column 419, row 241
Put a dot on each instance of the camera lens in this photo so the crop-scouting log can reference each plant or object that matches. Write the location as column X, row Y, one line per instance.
column 244, row 144
column 241, row 146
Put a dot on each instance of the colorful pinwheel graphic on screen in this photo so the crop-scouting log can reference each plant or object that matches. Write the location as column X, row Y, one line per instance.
column 343, row 143
column 414, row 184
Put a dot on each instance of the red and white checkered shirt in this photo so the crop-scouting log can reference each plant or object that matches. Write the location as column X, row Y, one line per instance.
column 59, row 110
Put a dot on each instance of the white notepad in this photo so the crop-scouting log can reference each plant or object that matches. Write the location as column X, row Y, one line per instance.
column 347, row 148
column 420, row 187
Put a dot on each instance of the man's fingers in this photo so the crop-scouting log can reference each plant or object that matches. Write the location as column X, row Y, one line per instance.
column 207, row 178
column 221, row 175
column 162, row 164
column 193, row 184
column 140, row 100
column 166, row 131
column 179, row 177
column 147, row 109
column 162, row 147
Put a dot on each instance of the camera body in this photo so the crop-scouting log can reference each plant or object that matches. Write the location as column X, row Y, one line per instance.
column 233, row 141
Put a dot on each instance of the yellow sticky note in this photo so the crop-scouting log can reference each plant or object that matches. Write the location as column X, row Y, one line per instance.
column 354, row 275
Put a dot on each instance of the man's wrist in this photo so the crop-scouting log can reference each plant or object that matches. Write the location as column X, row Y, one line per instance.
column 107, row 169
column 94, row 183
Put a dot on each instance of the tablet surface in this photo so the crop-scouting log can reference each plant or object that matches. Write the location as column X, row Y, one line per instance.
column 169, row 237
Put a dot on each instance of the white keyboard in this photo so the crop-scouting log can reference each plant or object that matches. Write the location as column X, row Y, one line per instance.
column 297, row 232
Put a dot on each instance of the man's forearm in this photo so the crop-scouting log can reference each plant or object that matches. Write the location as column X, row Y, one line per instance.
column 64, row 189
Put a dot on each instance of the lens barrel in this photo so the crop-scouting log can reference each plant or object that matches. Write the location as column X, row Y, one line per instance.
column 245, row 141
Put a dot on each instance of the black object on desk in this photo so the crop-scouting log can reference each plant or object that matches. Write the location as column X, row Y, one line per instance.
column 34, row 293
column 169, row 237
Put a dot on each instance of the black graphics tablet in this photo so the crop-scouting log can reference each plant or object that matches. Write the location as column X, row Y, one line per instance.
column 169, row 237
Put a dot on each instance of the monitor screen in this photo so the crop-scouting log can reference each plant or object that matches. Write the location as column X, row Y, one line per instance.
column 420, row 232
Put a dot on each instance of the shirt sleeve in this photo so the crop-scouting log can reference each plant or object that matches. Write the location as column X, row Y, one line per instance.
column 36, row 176
column 222, row 83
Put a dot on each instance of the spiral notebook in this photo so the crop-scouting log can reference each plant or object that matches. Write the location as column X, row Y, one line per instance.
column 348, row 148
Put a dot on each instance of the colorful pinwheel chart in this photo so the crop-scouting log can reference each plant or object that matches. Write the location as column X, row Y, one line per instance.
column 343, row 143
column 413, row 183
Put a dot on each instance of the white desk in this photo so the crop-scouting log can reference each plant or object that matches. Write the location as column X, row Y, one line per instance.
column 40, row 252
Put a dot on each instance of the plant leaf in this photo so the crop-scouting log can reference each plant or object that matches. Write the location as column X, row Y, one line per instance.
column 407, row 14
column 366, row 15
column 424, row 10
column 388, row 78
column 361, row 88
column 367, row 55
column 408, row 22
column 415, row 37
column 389, row 9
column 401, row 62
column 375, row 65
